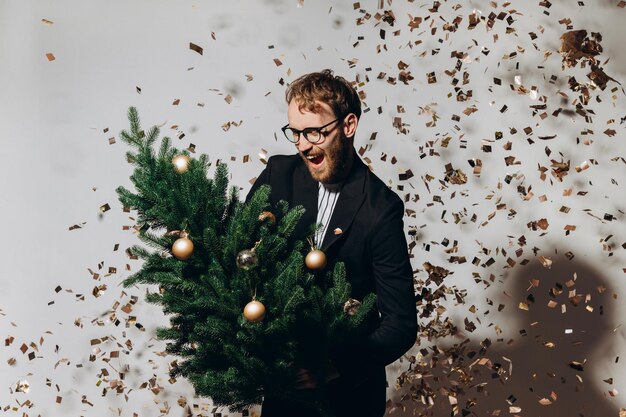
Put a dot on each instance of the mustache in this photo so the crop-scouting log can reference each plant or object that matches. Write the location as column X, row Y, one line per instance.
column 312, row 153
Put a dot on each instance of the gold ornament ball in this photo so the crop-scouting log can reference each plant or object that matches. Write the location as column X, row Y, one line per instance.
column 247, row 259
column 254, row 311
column 267, row 215
column 182, row 248
column 181, row 163
column 315, row 260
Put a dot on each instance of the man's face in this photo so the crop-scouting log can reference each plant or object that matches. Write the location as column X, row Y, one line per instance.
column 327, row 160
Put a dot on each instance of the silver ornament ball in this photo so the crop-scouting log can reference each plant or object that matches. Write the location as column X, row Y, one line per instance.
column 247, row 259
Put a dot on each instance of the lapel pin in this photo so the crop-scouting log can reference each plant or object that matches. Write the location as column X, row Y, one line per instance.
column 338, row 231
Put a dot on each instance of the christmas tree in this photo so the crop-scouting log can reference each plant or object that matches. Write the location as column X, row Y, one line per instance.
column 212, row 256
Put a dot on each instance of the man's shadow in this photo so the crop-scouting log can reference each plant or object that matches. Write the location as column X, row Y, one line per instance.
column 562, row 321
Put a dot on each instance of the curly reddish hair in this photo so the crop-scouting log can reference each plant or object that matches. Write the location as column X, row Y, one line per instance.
column 327, row 88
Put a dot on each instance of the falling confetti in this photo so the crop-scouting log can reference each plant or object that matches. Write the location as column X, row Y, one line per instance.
column 196, row 48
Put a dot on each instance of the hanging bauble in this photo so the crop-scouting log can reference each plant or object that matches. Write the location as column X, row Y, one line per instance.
column 181, row 163
column 351, row 307
column 315, row 260
column 267, row 215
column 182, row 248
column 247, row 259
column 254, row 311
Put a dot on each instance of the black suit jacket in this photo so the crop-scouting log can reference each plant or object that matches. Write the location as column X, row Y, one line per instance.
column 373, row 247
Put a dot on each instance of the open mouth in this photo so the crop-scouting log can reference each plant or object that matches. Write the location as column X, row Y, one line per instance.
column 315, row 160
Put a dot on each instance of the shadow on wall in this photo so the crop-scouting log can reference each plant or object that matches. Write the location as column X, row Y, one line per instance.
column 566, row 317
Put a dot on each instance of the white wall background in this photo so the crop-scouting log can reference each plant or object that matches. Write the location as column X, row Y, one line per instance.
column 59, row 167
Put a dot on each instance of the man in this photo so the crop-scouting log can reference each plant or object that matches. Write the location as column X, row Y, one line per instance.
column 361, row 226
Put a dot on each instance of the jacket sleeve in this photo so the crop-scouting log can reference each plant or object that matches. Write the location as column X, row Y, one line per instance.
column 393, row 277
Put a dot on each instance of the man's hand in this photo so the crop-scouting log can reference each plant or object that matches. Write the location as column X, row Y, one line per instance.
column 306, row 380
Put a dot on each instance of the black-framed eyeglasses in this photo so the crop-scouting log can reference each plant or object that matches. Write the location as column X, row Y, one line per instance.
column 312, row 134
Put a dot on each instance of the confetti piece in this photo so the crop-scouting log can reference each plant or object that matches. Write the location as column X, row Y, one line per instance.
column 77, row 226
column 545, row 261
column 50, row 56
column 22, row 386
column 226, row 126
column 47, row 22
column 195, row 48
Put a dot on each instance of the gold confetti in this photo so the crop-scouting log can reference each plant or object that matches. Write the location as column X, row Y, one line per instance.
column 226, row 126
column 50, row 56
column 195, row 48
column 545, row 261
column 77, row 226
column 22, row 386
column 455, row 176
column 582, row 167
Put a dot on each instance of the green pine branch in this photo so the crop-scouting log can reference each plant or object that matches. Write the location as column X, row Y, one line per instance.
column 225, row 356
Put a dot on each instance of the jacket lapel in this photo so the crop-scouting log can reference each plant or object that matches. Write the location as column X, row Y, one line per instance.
column 350, row 200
